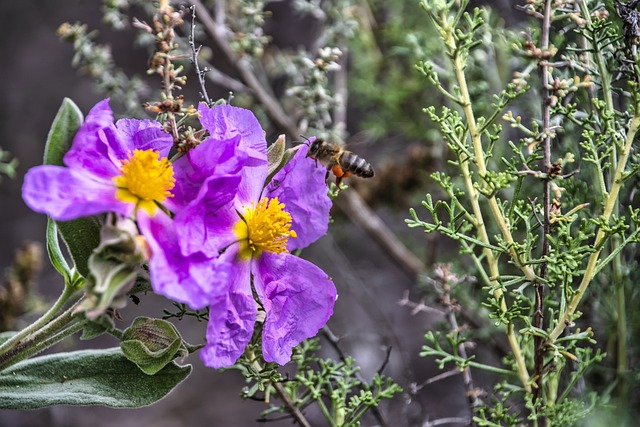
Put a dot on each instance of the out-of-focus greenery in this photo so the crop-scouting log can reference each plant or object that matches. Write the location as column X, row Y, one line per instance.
column 7, row 164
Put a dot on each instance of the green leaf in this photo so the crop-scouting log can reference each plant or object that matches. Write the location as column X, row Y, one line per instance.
column 95, row 327
column 152, row 343
column 88, row 377
column 278, row 157
column 81, row 235
column 55, row 254
column 63, row 129
column 275, row 153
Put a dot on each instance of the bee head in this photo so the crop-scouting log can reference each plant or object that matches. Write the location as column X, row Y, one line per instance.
column 313, row 144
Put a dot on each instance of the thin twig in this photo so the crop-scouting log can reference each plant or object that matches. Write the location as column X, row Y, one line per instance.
column 417, row 387
column 538, row 319
column 417, row 307
column 385, row 362
column 221, row 79
column 451, row 306
column 462, row 352
column 469, row 316
column 218, row 34
column 363, row 216
column 194, row 58
column 449, row 420
column 297, row 414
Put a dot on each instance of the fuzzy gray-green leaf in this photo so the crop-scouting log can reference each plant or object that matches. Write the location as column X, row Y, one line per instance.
column 81, row 235
column 88, row 377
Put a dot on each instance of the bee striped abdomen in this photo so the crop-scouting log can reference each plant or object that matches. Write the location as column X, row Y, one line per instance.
column 355, row 164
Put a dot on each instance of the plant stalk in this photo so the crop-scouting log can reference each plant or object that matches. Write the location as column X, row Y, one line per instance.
column 465, row 102
column 609, row 207
column 538, row 316
column 616, row 241
column 67, row 293
column 51, row 334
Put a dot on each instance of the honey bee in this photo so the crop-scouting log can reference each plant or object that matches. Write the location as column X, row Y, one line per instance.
column 341, row 162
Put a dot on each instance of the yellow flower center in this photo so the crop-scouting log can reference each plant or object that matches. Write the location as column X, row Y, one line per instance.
column 264, row 226
column 146, row 179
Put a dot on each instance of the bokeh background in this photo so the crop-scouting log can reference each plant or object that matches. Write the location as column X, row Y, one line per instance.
column 37, row 75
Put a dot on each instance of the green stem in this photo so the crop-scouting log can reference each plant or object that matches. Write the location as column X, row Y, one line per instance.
column 325, row 411
column 610, row 203
column 42, row 339
column 448, row 34
column 617, row 250
column 605, row 80
column 616, row 266
column 43, row 320
column 286, row 399
column 71, row 329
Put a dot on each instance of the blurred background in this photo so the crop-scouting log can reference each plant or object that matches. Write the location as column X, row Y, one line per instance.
column 383, row 123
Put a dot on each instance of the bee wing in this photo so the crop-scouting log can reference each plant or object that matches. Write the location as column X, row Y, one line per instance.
column 360, row 139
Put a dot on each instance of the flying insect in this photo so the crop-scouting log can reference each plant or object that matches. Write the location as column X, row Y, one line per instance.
column 342, row 163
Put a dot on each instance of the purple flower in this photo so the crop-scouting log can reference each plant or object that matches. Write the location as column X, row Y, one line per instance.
column 111, row 167
column 123, row 168
column 255, row 232
column 208, row 177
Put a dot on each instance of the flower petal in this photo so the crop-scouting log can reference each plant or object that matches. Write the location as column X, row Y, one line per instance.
column 208, row 160
column 65, row 194
column 298, row 298
column 231, row 317
column 225, row 123
column 195, row 280
column 89, row 150
column 142, row 135
column 301, row 186
column 206, row 224
column 221, row 157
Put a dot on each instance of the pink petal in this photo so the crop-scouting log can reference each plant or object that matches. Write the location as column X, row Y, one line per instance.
column 300, row 185
column 231, row 317
column 195, row 280
column 206, row 225
column 298, row 298
column 90, row 150
column 65, row 194
column 225, row 123
column 141, row 135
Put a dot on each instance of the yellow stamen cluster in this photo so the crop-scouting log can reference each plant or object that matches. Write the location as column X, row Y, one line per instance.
column 264, row 226
column 146, row 179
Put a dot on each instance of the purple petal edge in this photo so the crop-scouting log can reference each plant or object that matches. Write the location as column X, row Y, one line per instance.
column 298, row 298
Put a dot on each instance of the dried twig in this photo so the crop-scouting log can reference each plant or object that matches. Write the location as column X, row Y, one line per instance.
column 218, row 34
column 194, row 58
column 295, row 411
column 362, row 215
column 415, row 388
column 538, row 319
column 449, row 420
